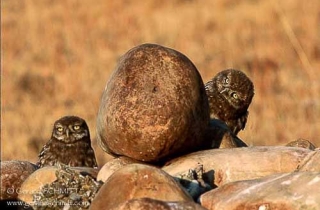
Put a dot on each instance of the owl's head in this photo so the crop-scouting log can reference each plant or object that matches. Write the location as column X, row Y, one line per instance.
column 70, row 129
column 234, row 86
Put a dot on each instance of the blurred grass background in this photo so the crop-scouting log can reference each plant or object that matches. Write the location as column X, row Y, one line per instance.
column 57, row 56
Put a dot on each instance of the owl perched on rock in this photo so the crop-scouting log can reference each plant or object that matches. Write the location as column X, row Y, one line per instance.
column 70, row 144
column 230, row 93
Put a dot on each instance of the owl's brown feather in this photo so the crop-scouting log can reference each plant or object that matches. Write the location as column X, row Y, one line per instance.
column 70, row 144
column 230, row 93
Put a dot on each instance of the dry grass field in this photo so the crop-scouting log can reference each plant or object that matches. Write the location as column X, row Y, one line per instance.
column 58, row 55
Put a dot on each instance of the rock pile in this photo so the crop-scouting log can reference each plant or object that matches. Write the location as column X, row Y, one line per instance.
column 168, row 155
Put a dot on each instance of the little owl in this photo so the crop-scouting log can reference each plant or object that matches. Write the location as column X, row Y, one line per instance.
column 70, row 144
column 230, row 93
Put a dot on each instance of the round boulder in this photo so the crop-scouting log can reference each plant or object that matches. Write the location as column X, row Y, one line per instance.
column 13, row 174
column 154, row 106
column 138, row 181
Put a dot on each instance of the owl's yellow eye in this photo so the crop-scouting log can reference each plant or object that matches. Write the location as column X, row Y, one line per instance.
column 235, row 96
column 60, row 129
column 76, row 127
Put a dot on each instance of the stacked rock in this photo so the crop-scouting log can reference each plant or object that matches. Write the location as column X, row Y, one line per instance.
column 154, row 107
column 154, row 118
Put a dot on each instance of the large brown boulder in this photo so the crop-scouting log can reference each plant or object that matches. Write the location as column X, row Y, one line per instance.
column 289, row 191
column 138, row 181
column 13, row 174
column 154, row 106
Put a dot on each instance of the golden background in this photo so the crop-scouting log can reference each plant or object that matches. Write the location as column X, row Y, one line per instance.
column 58, row 54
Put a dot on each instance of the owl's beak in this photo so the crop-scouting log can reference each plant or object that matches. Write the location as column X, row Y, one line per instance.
column 224, row 90
column 67, row 133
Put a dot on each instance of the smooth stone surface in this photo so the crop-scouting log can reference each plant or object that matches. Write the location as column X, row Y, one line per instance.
column 289, row 191
column 222, row 166
column 154, row 106
column 138, row 181
column 113, row 165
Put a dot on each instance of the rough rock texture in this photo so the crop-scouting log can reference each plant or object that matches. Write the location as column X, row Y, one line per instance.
column 222, row 166
column 148, row 203
column 35, row 181
column 193, row 182
column 302, row 143
column 290, row 191
column 311, row 162
column 72, row 190
column 138, row 181
column 13, row 174
column 46, row 176
column 154, row 106
column 219, row 135
column 113, row 165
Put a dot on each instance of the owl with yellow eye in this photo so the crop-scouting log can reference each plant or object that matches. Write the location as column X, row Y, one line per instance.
column 69, row 144
column 230, row 93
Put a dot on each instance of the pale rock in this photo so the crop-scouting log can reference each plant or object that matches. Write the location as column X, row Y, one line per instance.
column 287, row 191
column 221, row 166
column 113, row 165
